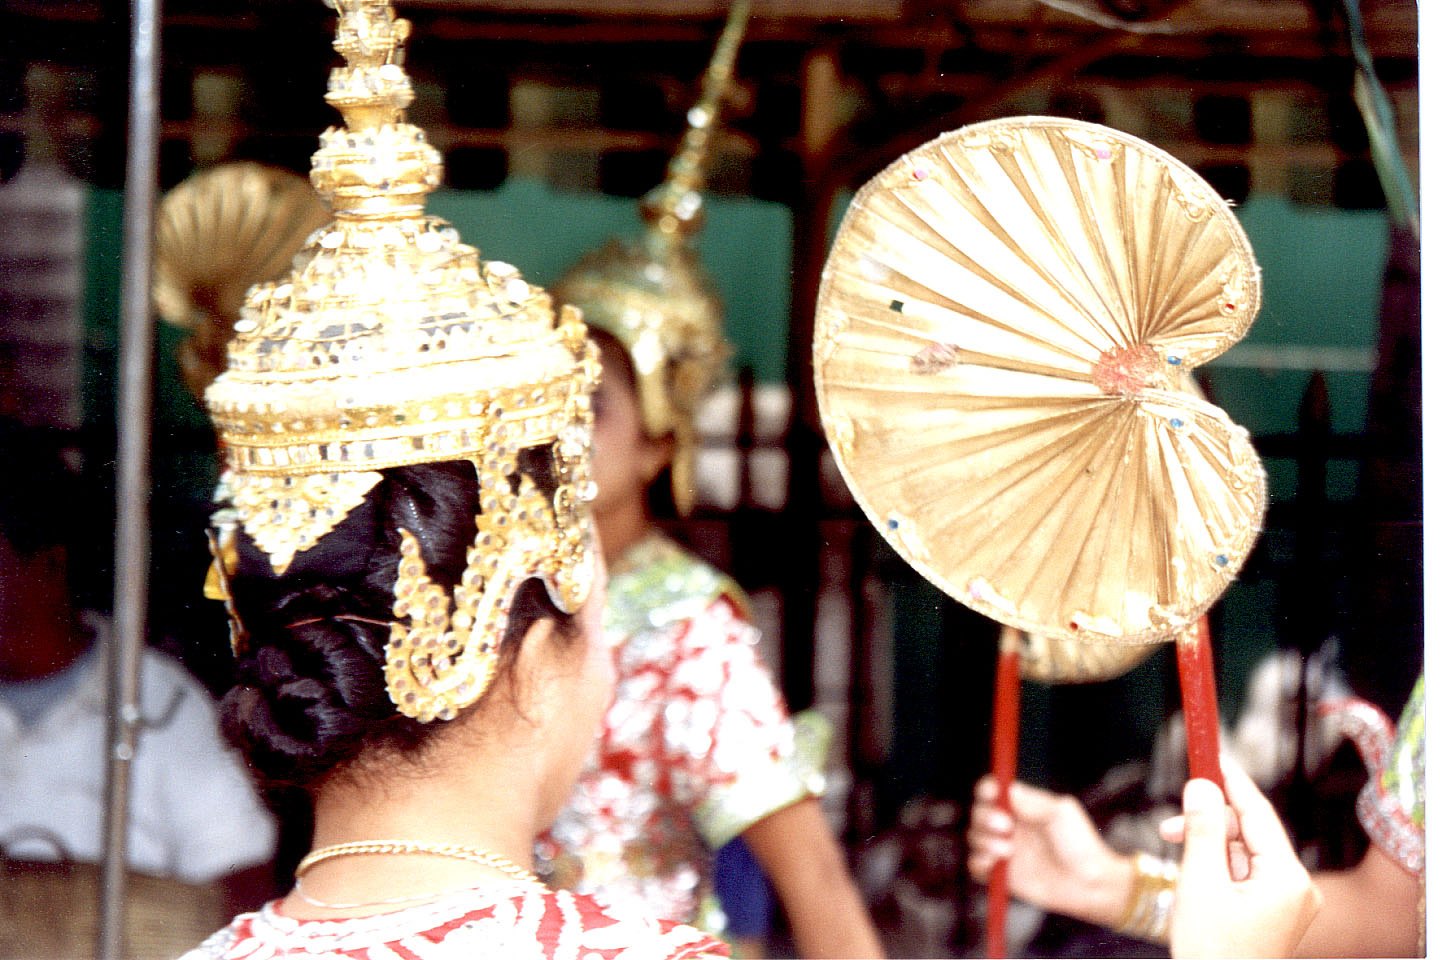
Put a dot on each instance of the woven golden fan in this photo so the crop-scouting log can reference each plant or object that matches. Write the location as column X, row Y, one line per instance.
column 1003, row 335
column 1003, row 329
column 216, row 234
column 1067, row 660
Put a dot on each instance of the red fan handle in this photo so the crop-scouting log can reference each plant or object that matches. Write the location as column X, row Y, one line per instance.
column 1004, row 746
column 1197, row 701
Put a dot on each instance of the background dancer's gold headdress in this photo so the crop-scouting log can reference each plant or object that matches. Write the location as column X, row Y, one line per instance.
column 651, row 292
column 218, row 233
column 392, row 344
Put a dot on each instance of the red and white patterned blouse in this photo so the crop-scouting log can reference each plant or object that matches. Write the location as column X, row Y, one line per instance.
column 485, row 923
column 696, row 748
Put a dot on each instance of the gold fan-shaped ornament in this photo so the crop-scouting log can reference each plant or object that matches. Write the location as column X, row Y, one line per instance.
column 218, row 233
column 1065, row 659
column 1004, row 326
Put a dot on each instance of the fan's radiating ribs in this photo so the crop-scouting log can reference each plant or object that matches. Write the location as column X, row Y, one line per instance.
column 1165, row 492
column 1042, row 503
column 1158, row 278
column 1232, row 509
column 972, row 204
column 1121, row 526
column 1082, row 493
column 1117, row 299
column 1106, row 482
column 1147, row 256
column 962, row 262
column 1058, row 283
column 1134, row 301
column 923, row 457
column 1180, row 285
column 993, row 487
column 875, row 310
column 987, row 492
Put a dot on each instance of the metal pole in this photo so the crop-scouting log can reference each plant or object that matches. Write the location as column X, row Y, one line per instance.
column 132, row 540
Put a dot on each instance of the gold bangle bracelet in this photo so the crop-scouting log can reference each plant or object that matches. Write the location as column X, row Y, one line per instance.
column 1151, row 901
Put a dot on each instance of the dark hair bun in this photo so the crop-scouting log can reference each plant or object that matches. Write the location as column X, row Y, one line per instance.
column 301, row 706
column 310, row 688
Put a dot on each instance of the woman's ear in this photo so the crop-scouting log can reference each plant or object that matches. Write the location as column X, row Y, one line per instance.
column 541, row 656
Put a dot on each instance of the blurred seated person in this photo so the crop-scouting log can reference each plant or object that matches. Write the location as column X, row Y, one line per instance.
column 1060, row 862
column 195, row 820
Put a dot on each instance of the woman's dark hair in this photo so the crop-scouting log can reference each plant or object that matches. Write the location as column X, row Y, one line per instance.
column 614, row 360
column 310, row 694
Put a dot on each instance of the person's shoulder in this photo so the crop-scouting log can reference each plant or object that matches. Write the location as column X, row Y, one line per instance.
column 659, row 581
column 219, row 943
column 158, row 669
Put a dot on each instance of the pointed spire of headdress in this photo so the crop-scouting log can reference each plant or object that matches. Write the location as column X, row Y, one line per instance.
column 672, row 209
column 651, row 293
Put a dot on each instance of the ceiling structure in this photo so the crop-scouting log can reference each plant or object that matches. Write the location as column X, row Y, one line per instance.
column 855, row 79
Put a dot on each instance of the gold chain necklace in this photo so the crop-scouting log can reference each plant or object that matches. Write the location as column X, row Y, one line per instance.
column 453, row 851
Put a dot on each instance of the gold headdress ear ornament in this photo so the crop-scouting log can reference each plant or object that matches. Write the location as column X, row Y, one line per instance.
column 391, row 344
column 651, row 292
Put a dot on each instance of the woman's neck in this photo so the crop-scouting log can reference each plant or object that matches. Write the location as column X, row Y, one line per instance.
column 621, row 526
column 472, row 799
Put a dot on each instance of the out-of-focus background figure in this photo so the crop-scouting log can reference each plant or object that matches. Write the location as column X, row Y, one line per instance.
column 200, row 842
column 1060, row 862
column 700, row 766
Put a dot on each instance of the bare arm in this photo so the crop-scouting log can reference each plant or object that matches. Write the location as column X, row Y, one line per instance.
column 807, row 868
column 1371, row 910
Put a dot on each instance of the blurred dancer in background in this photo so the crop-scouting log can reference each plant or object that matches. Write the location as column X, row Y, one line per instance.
column 698, row 749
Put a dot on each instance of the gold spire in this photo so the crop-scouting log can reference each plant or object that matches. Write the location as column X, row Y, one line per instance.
column 392, row 343
column 673, row 209
column 651, row 292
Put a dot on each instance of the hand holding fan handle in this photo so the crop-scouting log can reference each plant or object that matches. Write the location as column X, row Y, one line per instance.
column 1197, row 701
column 1004, row 746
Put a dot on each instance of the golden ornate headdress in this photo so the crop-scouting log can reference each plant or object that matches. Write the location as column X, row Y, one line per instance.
column 392, row 344
column 651, row 292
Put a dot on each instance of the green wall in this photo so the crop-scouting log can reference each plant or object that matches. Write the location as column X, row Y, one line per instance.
column 745, row 245
column 1321, row 272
